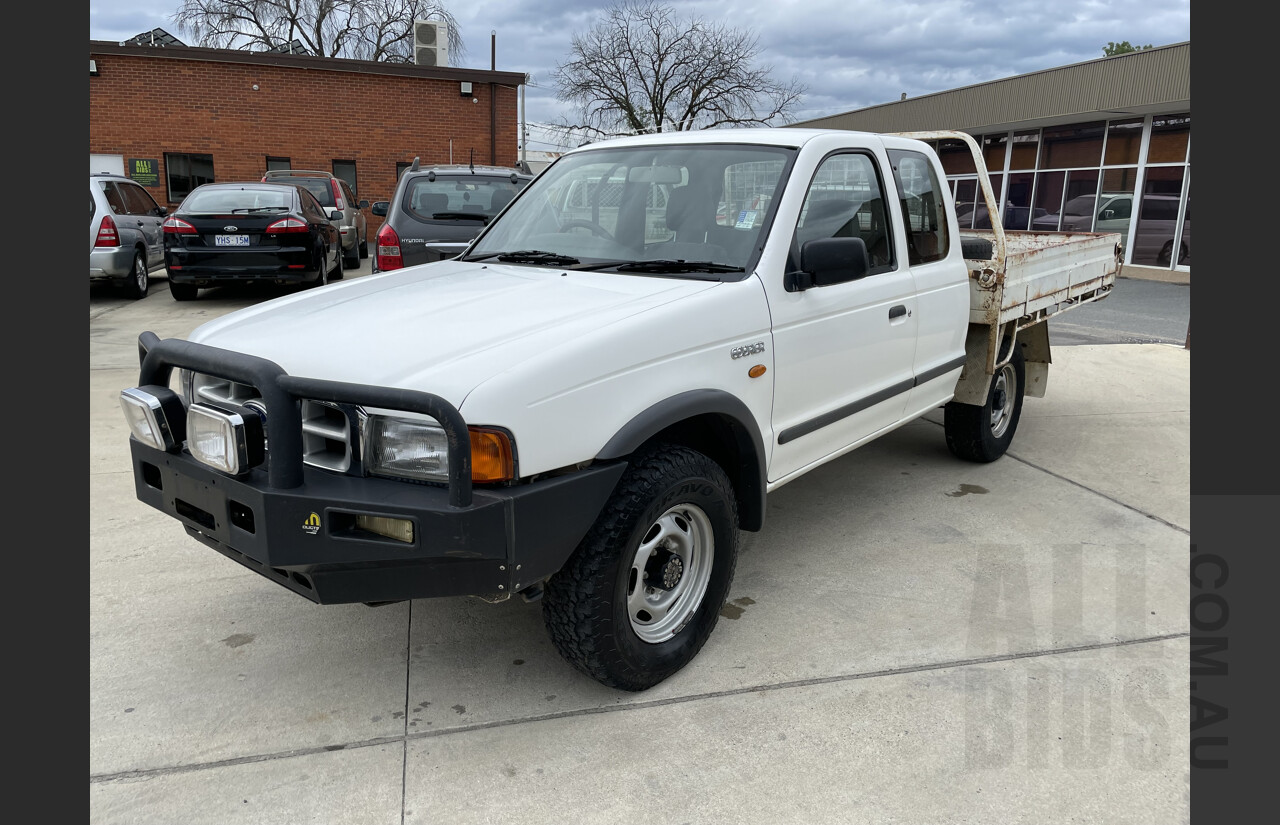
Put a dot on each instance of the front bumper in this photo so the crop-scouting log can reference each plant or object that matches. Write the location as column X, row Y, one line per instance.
column 296, row 525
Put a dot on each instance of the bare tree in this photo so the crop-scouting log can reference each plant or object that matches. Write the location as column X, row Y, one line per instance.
column 642, row 69
column 363, row 29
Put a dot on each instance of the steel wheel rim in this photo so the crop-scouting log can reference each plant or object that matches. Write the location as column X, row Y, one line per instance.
column 1006, row 387
column 658, row 613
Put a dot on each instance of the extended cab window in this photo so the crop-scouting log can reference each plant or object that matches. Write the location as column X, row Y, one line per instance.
column 923, row 207
column 845, row 200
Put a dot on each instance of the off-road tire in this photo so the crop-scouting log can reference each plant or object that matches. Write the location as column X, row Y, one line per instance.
column 983, row 433
column 585, row 605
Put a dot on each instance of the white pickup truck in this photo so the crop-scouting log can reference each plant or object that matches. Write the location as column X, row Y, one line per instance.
column 588, row 404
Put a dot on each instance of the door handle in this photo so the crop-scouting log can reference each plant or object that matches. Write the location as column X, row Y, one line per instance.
column 897, row 312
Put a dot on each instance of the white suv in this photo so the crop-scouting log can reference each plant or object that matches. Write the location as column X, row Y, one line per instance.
column 126, row 242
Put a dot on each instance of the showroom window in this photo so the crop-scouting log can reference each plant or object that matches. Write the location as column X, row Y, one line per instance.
column 1130, row 176
column 186, row 171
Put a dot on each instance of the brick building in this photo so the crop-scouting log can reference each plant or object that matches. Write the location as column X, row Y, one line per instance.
column 178, row 116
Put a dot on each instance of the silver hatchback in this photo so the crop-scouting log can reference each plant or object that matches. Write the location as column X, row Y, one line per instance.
column 126, row 242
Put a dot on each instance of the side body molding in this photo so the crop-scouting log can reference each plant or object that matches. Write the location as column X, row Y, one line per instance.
column 713, row 422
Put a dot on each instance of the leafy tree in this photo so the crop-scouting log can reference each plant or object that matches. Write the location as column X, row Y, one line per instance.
column 643, row 69
column 1123, row 47
column 379, row 30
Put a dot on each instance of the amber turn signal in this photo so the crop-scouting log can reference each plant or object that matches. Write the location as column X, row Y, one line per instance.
column 491, row 456
column 756, row 371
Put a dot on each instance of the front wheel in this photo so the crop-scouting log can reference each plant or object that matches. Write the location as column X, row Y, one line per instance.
column 642, row 592
column 983, row 433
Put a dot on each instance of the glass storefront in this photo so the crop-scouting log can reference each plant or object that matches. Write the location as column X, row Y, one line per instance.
column 1131, row 176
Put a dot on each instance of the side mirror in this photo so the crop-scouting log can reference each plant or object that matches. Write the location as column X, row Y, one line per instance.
column 379, row 208
column 335, row 215
column 828, row 261
column 364, row 204
column 161, row 211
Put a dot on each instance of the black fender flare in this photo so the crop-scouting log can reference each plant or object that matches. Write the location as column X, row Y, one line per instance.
column 748, row 477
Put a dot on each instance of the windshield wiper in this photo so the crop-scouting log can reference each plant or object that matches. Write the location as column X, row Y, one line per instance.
column 677, row 266
column 252, row 209
column 531, row 256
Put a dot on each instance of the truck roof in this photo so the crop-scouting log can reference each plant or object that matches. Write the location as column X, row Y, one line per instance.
column 764, row 136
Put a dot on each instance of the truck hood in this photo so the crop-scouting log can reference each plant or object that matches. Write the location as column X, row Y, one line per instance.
column 442, row 327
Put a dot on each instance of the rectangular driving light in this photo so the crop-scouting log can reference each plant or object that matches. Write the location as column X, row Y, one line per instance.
column 226, row 438
column 155, row 416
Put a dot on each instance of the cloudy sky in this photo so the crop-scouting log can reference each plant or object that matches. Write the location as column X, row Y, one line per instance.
column 848, row 53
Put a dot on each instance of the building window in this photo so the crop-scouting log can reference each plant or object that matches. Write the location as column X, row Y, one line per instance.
column 400, row 169
column 1026, row 146
column 346, row 170
column 1067, row 147
column 1124, row 139
column 1170, row 136
column 277, row 163
column 186, row 171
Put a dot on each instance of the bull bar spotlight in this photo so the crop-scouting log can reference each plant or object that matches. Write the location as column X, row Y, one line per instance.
column 156, row 416
column 226, row 437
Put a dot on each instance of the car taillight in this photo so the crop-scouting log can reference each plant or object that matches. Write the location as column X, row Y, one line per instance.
column 388, row 256
column 286, row 225
column 107, row 235
column 177, row 226
column 337, row 194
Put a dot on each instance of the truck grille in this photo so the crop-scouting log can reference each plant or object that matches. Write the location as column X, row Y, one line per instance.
column 326, row 429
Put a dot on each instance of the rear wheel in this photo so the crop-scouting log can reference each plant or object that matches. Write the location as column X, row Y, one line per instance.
column 183, row 292
column 983, row 433
column 352, row 257
column 139, row 278
column 364, row 248
column 340, row 270
column 642, row 592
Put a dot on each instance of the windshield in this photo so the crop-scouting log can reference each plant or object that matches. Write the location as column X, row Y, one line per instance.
column 225, row 200
column 674, row 210
column 460, row 197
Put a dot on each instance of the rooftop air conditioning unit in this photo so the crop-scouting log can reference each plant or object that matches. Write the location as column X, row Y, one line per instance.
column 430, row 43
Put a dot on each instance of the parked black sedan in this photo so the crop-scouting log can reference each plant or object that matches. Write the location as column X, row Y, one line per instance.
column 268, row 232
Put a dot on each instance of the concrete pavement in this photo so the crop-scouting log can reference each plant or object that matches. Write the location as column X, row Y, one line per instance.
column 910, row 639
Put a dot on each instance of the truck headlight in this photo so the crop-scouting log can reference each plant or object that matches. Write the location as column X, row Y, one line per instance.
column 406, row 448
column 227, row 438
column 155, row 416
column 419, row 450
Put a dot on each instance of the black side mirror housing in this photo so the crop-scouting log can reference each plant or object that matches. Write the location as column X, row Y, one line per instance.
column 335, row 214
column 828, row 261
column 379, row 208
column 364, row 204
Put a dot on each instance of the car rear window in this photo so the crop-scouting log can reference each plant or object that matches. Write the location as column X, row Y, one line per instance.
column 320, row 187
column 224, row 201
column 472, row 194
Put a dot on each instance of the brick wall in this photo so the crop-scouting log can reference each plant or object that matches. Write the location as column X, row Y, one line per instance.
column 143, row 107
